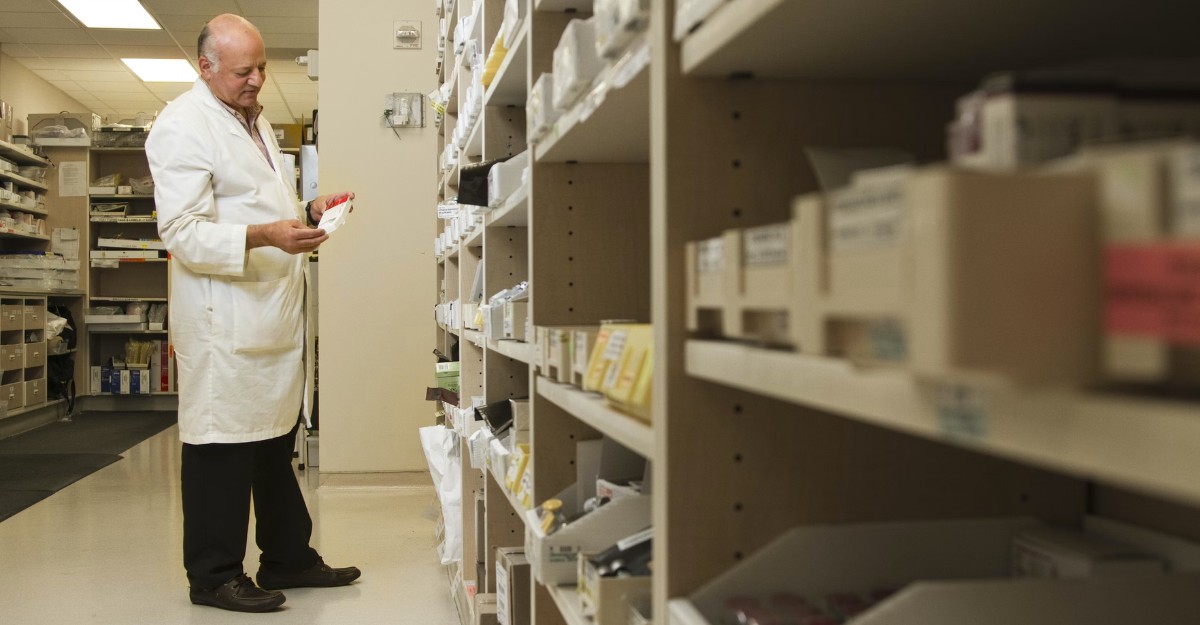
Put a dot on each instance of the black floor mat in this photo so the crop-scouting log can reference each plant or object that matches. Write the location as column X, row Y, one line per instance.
column 24, row 472
column 14, row 501
column 91, row 433
column 36, row 464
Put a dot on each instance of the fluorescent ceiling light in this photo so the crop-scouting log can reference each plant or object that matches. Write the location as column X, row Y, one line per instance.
column 127, row 14
column 162, row 70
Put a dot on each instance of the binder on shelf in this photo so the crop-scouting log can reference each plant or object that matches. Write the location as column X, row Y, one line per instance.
column 132, row 244
column 121, row 254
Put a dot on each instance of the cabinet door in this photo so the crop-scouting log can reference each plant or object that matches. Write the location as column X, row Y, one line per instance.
column 11, row 317
column 35, row 354
column 34, row 392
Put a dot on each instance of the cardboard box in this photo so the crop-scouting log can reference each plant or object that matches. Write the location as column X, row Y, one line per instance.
column 485, row 609
column 514, row 585
column 607, row 599
column 516, row 315
column 446, row 375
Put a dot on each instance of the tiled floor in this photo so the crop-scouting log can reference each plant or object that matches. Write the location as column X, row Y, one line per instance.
column 106, row 550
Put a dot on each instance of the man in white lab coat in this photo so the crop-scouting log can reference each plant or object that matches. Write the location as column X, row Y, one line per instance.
column 228, row 214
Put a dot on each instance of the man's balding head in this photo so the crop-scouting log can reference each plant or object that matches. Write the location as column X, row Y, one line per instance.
column 218, row 31
column 233, row 60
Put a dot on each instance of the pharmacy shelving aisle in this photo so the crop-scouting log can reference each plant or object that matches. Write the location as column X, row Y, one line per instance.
column 683, row 167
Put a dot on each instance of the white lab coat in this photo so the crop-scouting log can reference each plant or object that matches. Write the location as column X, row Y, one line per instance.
column 237, row 318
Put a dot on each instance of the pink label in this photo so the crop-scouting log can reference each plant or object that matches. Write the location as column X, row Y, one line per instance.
column 1153, row 291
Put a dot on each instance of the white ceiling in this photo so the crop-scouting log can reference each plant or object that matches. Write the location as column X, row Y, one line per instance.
column 86, row 63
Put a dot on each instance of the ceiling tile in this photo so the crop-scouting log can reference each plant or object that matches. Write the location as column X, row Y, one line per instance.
column 49, row 51
column 17, row 50
column 36, row 20
column 83, row 75
column 28, row 6
column 279, row 8
column 50, row 74
column 286, row 25
column 175, row 7
column 146, row 52
column 107, row 36
column 130, row 86
column 65, row 85
column 34, row 64
column 46, row 35
column 88, row 65
column 304, row 42
column 3, row 36
column 170, row 90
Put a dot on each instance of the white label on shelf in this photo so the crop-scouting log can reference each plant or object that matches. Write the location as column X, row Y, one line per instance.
column 866, row 217
column 766, row 245
column 962, row 411
column 711, row 256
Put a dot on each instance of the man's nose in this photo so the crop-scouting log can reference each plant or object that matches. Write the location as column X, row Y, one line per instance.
column 258, row 77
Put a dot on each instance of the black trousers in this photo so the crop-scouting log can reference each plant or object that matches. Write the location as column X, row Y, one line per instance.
column 219, row 481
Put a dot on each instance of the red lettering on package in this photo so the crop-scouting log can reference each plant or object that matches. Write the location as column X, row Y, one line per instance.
column 1153, row 291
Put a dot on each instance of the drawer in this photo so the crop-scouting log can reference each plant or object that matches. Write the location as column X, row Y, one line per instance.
column 12, row 317
column 35, row 317
column 35, row 354
column 35, row 392
column 14, row 394
column 12, row 357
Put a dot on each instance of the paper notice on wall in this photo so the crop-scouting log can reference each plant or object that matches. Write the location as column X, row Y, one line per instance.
column 72, row 179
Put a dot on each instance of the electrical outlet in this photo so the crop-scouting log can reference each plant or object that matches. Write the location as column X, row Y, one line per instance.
column 406, row 35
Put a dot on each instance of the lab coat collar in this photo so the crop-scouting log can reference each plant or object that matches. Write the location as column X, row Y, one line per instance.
column 235, row 128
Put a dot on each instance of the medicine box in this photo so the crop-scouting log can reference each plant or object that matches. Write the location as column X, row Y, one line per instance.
column 540, row 112
column 485, row 609
column 513, row 586
column 1049, row 552
column 446, row 375
column 515, row 316
column 582, row 342
column 606, row 600
column 952, row 271
column 559, row 351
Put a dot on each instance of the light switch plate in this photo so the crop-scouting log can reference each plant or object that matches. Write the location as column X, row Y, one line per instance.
column 404, row 27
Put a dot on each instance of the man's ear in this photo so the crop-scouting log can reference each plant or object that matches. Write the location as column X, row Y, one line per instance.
column 205, row 66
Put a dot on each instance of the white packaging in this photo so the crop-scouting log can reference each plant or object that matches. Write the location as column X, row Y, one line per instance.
column 691, row 13
column 505, row 178
column 1047, row 552
column 576, row 63
column 540, row 111
column 617, row 22
column 513, row 14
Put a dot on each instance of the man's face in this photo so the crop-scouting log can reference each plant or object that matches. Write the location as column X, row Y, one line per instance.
column 241, row 72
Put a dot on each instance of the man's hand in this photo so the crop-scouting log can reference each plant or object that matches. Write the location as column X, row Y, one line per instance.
column 317, row 207
column 288, row 235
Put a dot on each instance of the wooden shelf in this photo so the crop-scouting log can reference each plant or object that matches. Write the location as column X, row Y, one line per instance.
column 18, row 207
column 929, row 40
column 123, row 220
column 1129, row 441
column 23, row 181
column 515, row 211
column 567, row 600
column 97, row 298
column 10, row 233
column 119, row 150
column 92, row 330
column 607, row 125
column 128, row 196
column 581, row 6
column 517, row 350
column 12, row 290
column 474, row 147
column 591, row 409
column 21, row 157
column 510, row 86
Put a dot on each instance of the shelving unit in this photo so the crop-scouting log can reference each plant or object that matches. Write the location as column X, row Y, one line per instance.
column 705, row 134
column 24, row 386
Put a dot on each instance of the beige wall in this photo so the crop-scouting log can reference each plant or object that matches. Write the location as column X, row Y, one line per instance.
column 375, row 301
column 28, row 93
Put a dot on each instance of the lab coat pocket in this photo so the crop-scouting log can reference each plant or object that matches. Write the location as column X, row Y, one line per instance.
column 267, row 315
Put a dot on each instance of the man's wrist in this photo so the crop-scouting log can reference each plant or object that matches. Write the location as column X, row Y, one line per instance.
column 308, row 213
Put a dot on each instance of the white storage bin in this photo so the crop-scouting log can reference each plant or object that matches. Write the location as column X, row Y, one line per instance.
column 576, row 63
column 540, row 111
column 617, row 23
column 504, row 179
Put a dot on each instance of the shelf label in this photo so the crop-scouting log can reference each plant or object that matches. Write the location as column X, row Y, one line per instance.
column 962, row 411
column 710, row 255
column 1185, row 180
column 766, row 245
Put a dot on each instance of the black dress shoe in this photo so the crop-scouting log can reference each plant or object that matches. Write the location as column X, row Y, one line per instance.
column 239, row 595
column 319, row 575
